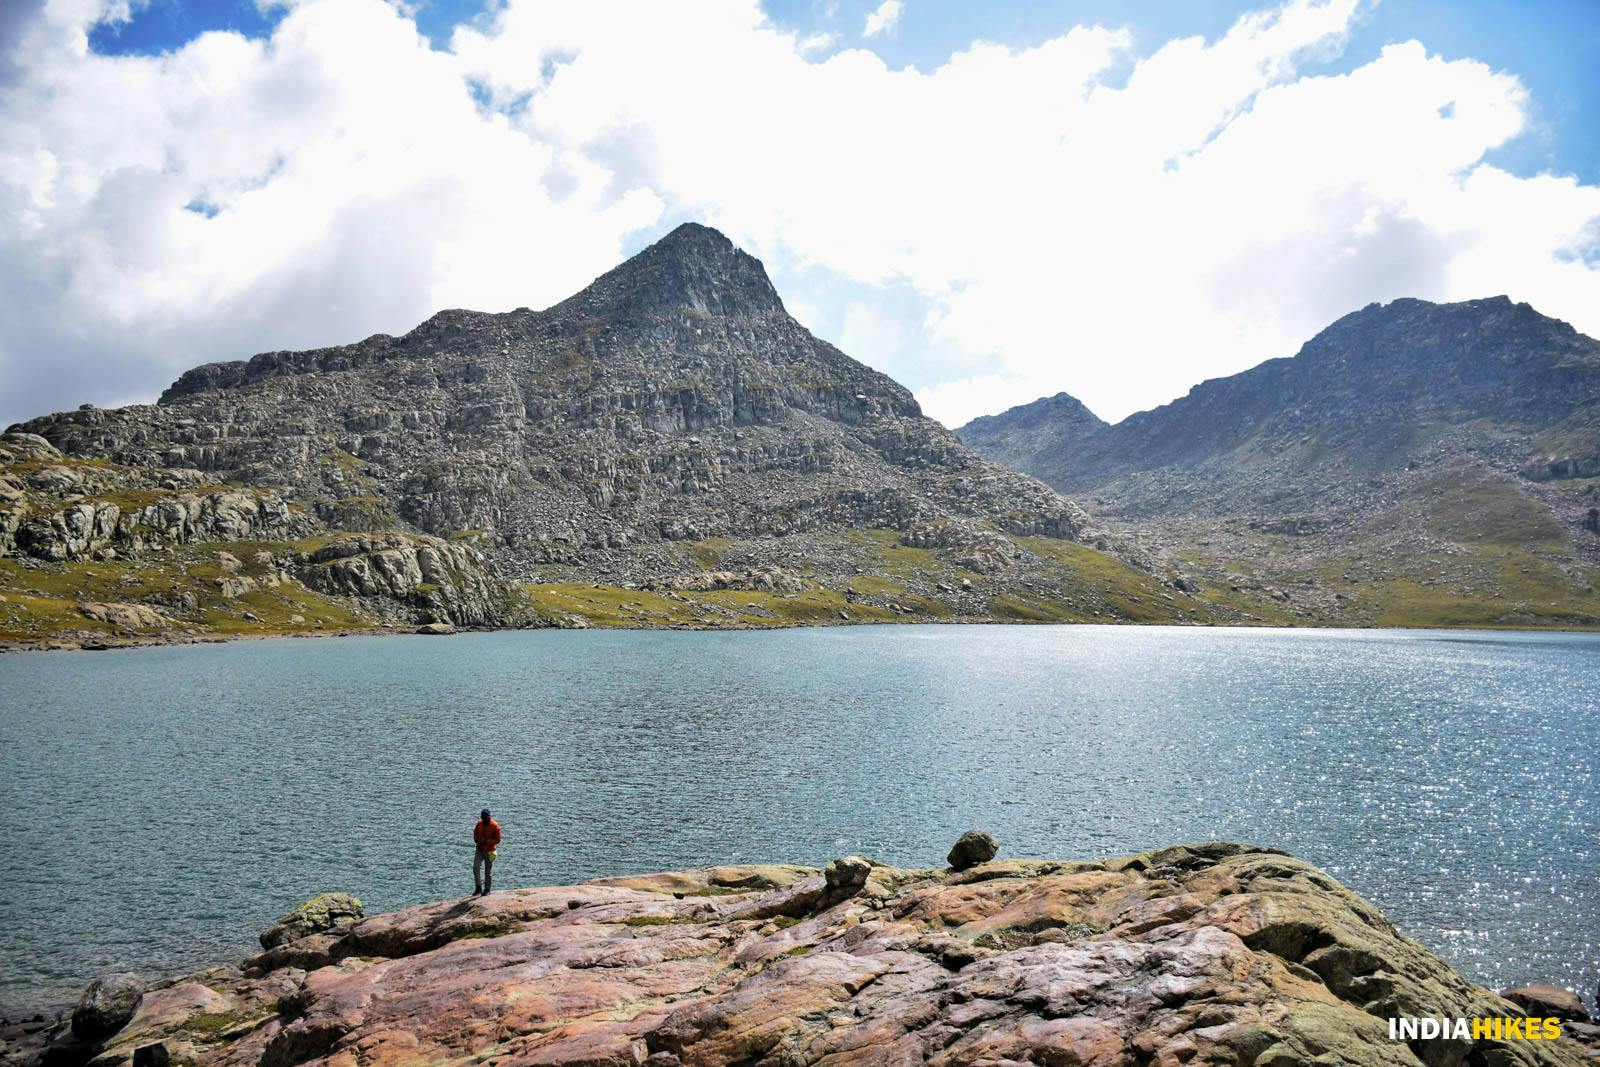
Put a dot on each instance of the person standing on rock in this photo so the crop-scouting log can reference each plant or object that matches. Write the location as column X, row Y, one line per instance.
column 486, row 840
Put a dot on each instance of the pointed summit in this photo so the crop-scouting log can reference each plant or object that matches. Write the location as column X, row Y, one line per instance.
column 1019, row 436
column 693, row 268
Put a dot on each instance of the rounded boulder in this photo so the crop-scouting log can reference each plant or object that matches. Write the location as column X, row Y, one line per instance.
column 972, row 848
column 847, row 872
column 106, row 1006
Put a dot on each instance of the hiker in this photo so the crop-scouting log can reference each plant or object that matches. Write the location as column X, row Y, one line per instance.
column 486, row 838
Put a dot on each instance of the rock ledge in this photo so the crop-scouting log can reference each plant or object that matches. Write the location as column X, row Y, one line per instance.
column 1210, row 953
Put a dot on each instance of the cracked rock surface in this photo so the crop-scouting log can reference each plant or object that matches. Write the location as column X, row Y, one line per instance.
column 1211, row 953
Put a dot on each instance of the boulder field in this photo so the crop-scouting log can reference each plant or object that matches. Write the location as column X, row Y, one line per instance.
column 1209, row 953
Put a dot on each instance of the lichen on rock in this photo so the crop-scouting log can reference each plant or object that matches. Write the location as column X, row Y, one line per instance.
column 323, row 912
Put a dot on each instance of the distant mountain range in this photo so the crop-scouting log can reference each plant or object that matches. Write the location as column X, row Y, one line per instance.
column 1413, row 463
column 666, row 447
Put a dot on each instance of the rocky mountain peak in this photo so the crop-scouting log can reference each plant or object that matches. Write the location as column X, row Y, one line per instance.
column 1017, row 437
column 694, row 268
column 1060, row 406
column 671, row 402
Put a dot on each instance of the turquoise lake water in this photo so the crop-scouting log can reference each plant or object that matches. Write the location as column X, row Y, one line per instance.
column 158, row 807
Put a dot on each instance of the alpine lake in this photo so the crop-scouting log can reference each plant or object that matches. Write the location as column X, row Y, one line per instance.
column 160, row 806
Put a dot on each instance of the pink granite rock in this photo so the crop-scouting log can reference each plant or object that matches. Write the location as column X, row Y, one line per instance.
column 1204, row 954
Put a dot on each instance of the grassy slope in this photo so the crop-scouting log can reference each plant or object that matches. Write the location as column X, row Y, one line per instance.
column 1512, row 565
column 1059, row 582
column 1494, row 557
column 40, row 601
column 1066, row 583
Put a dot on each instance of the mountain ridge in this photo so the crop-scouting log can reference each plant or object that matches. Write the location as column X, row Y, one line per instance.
column 1403, row 431
column 1015, row 436
column 1144, row 438
column 674, row 267
column 666, row 433
column 669, row 447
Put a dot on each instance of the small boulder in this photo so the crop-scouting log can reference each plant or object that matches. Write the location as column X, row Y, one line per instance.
column 325, row 911
column 436, row 629
column 155, row 1055
column 229, row 563
column 106, row 1006
column 972, row 848
column 125, row 616
column 1548, row 1001
column 847, row 872
column 230, row 588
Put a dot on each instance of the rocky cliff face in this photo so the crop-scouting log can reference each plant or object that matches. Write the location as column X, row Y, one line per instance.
column 668, row 422
column 672, row 400
column 93, row 550
column 96, row 511
column 1396, row 446
column 1204, row 954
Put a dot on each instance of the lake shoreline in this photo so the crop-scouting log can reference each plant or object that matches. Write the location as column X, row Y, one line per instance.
column 158, row 641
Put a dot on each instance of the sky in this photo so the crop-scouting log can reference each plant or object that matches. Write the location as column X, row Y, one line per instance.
column 990, row 202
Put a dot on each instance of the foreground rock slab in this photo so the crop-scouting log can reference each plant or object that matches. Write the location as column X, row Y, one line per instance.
column 1211, row 953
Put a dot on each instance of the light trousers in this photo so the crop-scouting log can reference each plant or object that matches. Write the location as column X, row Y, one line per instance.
column 482, row 870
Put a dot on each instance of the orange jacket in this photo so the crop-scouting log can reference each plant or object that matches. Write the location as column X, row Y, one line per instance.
column 486, row 835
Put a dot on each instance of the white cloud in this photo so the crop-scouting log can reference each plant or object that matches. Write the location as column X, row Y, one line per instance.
column 817, row 42
column 883, row 19
column 1068, row 216
column 356, row 187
